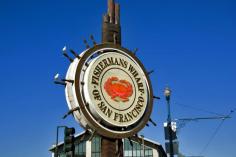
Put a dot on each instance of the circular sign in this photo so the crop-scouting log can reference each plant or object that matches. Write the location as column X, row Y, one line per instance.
column 112, row 90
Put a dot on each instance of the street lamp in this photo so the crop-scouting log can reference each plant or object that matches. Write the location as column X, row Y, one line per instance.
column 167, row 93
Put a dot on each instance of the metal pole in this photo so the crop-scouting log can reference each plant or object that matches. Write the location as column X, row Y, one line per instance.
column 170, row 129
column 56, row 149
column 167, row 93
column 168, row 108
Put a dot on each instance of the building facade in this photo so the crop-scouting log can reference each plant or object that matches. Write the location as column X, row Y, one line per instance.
column 133, row 147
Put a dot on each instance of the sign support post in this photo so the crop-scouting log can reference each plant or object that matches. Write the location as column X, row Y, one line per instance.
column 111, row 33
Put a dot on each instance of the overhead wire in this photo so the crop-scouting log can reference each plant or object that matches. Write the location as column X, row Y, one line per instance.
column 182, row 123
column 215, row 132
column 210, row 112
column 198, row 109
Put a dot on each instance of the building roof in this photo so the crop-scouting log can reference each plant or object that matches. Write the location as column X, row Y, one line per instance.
column 138, row 139
column 62, row 142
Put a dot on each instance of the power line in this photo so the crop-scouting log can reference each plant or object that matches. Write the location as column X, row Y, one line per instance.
column 215, row 132
column 221, row 116
column 183, row 121
column 212, row 137
column 198, row 109
column 203, row 118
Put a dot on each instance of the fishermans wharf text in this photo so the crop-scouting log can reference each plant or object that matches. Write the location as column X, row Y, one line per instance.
column 111, row 113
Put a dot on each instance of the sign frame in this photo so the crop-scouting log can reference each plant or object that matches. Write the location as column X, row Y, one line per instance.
column 75, row 97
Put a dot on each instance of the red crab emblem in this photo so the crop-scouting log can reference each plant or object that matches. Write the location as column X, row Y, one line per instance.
column 119, row 90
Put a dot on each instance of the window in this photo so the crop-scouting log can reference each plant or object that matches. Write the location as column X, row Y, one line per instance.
column 62, row 155
column 61, row 152
column 136, row 150
column 96, row 147
column 80, row 149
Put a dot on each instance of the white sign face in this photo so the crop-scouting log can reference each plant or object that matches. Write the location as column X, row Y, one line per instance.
column 116, row 89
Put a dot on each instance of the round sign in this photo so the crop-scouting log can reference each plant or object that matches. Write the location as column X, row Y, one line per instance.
column 112, row 90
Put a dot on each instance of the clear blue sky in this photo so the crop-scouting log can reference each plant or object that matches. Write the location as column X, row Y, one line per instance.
column 191, row 45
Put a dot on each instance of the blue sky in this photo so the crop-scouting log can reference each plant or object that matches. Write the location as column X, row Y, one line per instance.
column 191, row 45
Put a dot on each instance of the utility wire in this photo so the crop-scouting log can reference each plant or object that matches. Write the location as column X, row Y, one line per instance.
column 183, row 121
column 202, row 118
column 212, row 137
column 198, row 109
column 215, row 132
